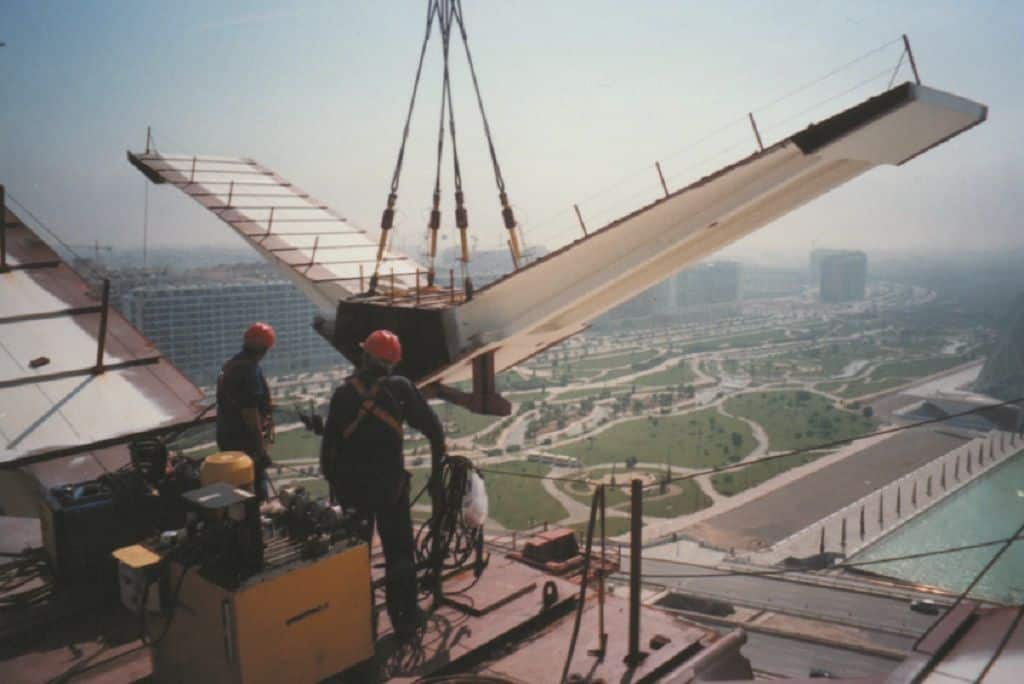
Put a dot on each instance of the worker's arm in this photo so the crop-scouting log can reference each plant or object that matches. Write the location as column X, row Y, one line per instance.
column 419, row 415
column 252, row 421
column 253, row 397
column 332, row 435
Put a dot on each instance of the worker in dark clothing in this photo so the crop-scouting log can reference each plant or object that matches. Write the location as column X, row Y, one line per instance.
column 362, row 457
column 245, row 420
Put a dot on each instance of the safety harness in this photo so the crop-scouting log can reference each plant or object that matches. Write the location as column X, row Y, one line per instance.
column 369, row 407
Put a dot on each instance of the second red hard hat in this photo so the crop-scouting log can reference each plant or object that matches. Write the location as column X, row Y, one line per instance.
column 383, row 345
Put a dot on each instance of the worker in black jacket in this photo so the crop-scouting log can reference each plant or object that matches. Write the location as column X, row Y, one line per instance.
column 245, row 418
column 361, row 455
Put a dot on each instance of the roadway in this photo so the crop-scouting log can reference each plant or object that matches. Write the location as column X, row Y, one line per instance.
column 889, row 615
column 793, row 657
column 788, row 509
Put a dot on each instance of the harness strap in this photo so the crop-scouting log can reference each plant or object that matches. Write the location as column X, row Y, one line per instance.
column 369, row 407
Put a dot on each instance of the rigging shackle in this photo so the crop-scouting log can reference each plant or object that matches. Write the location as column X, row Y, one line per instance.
column 462, row 223
column 510, row 224
column 434, row 226
column 387, row 219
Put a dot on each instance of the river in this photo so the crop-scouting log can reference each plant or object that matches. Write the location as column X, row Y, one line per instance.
column 991, row 507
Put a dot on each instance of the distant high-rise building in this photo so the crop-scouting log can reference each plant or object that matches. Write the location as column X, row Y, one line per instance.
column 713, row 283
column 200, row 326
column 695, row 289
column 843, row 276
column 817, row 257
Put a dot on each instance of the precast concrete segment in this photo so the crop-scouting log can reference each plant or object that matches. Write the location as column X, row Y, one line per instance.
column 558, row 295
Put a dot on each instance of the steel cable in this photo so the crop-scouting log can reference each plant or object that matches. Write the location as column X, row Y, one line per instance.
column 839, row 566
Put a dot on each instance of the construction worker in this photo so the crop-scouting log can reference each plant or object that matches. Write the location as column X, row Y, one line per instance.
column 245, row 420
column 362, row 457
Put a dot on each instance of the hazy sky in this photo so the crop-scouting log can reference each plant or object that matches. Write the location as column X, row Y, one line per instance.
column 583, row 96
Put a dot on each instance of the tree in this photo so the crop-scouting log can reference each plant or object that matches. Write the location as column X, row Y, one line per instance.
column 737, row 439
column 868, row 412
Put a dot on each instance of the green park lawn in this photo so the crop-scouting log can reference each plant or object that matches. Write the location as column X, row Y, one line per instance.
column 616, row 373
column 794, row 419
column 298, row 444
column 613, row 527
column 520, row 397
column 734, row 481
column 861, row 388
column 683, row 498
column 895, row 373
column 698, row 439
column 458, row 422
column 613, row 360
column 831, row 358
column 832, row 385
column 291, row 445
column 679, row 374
column 518, row 503
column 738, row 341
column 593, row 392
column 583, row 493
column 915, row 368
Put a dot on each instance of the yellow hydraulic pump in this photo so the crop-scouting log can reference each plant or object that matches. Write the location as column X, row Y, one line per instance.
column 231, row 467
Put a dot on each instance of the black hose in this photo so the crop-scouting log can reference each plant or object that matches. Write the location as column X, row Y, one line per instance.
column 171, row 612
column 595, row 502
column 458, row 540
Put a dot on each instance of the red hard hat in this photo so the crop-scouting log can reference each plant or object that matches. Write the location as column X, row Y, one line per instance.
column 260, row 335
column 383, row 345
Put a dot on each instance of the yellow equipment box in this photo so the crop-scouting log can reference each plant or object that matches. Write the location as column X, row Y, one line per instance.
column 298, row 623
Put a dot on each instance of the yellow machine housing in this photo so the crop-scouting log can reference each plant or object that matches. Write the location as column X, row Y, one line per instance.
column 232, row 467
column 299, row 623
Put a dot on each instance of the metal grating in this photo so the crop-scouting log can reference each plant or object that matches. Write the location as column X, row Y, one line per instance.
column 323, row 253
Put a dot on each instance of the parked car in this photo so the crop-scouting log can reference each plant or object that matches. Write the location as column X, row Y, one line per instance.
column 924, row 606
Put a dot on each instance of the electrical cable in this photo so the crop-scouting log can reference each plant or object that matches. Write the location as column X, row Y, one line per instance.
column 498, row 179
column 397, row 174
column 841, row 442
column 977, row 578
column 584, row 581
column 144, row 636
column 839, row 566
column 457, row 538
column 387, row 217
column 1005, row 639
column 829, row 75
column 507, row 213
column 603, row 191
column 461, row 215
column 855, row 87
column 897, row 69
